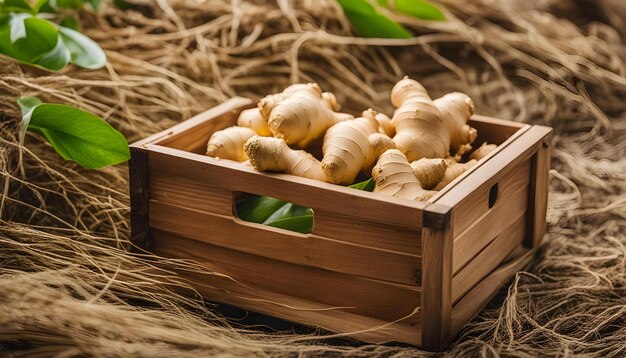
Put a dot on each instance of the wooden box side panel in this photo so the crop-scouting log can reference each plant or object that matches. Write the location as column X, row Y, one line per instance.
column 347, row 293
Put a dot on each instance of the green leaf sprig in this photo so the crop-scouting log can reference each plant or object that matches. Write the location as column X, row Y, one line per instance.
column 75, row 134
column 28, row 37
column 368, row 22
column 281, row 214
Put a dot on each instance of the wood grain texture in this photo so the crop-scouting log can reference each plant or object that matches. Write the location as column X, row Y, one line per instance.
column 356, row 230
column 193, row 134
column 475, row 187
column 320, row 196
column 436, row 287
column 138, row 180
column 538, row 203
column 279, row 244
column 489, row 258
column 190, row 193
column 511, row 206
column 367, row 329
column 492, row 130
column 469, row 306
column 364, row 296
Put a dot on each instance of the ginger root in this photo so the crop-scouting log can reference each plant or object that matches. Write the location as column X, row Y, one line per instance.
column 429, row 171
column 228, row 143
column 385, row 124
column 352, row 146
column 453, row 171
column 273, row 154
column 301, row 113
column 422, row 129
column 253, row 119
column 394, row 176
column 482, row 151
column 456, row 109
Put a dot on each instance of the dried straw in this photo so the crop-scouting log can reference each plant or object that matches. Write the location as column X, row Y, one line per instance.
column 68, row 287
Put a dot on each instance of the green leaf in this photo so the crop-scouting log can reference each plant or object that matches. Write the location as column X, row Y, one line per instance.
column 369, row 23
column 27, row 104
column 367, row 185
column 41, row 38
column 420, row 9
column 302, row 224
column 95, row 4
column 257, row 209
column 286, row 211
column 124, row 5
column 85, row 52
column 70, row 22
column 56, row 59
column 79, row 136
column 15, row 6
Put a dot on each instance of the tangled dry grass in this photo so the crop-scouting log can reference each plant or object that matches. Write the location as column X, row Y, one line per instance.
column 69, row 288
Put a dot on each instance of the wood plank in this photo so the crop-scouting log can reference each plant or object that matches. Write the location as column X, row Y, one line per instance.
column 138, row 181
column 476, row 204
column 364, row 232
column 190, row 193
column 540, row 183
column 279, row 244
column 195, row 194
column 320, row 196
column 436, row 287
column 471, row 304
column 492, row 130
column 354, row 294
column 510, row 208
column 303, row 311
column 475, row 187
column 489, row 258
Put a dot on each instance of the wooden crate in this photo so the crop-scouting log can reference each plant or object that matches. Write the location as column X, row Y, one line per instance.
column 377, row 267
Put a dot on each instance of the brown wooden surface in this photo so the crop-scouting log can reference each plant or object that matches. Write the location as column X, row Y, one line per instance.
column 436, row 286
column 192, row 194
column 483, row 224
column 229, row 108
column 364, row 232
column 538, row 203
column 138, row 179
column 492, row 130
column 367, row 329
column 321, row 196
column 279, row 244
column 364, row 296
column 489, row 258
column 475, row 187
column 469, row 306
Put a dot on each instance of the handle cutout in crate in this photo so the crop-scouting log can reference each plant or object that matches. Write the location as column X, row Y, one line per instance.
column 493, row 195
column 274, row 212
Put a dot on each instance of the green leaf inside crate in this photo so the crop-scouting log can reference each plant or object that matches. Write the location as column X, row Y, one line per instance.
column 281, row 214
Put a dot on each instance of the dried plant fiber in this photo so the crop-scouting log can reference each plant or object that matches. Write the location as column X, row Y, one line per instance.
column 69, row 288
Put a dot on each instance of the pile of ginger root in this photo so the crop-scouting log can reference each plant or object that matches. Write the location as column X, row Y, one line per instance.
column 411, row 155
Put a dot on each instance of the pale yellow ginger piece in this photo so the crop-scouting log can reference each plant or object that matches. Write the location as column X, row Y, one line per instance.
column 422, row 130
column 429, row 171
column 482, row 151
column 228, row 143
column 273, row 154
column 394, row 176
column 301, row 114
column 456, row 109
column 453, row 172
column 252, row 118
column 353, row 146
column 385, row 124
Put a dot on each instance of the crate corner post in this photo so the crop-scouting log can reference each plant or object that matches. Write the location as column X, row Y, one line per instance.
column 437, row 240
column 139, row 182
